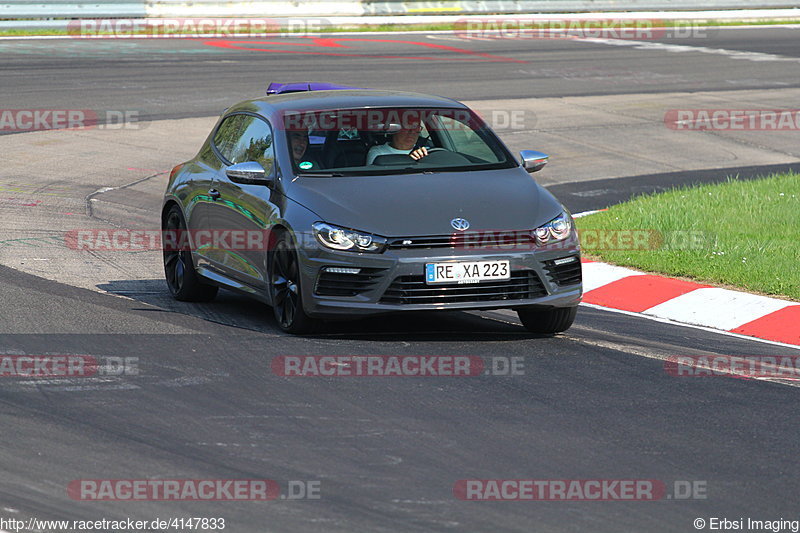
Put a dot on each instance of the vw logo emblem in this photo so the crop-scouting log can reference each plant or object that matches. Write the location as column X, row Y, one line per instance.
column 460, row 224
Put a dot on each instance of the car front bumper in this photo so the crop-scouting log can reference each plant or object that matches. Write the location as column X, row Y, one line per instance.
column 378, row 288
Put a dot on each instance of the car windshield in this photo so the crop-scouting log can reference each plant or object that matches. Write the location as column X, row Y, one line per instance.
column 379, row 141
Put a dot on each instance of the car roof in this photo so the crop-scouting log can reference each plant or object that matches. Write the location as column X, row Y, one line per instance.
column 350, row 99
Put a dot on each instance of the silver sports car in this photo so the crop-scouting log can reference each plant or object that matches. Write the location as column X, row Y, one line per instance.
column 340, row 203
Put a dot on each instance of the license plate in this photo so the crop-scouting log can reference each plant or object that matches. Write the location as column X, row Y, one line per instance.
column 473, row 272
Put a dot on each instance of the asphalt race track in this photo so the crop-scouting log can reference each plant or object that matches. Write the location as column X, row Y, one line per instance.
column 594, row 403
column 168, row 78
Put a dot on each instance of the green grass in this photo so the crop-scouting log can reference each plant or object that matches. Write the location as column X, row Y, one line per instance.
column 427, row 27
column 744, row 234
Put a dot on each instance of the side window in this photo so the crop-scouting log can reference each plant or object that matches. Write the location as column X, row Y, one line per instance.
column 254, row 143
column 227, row 134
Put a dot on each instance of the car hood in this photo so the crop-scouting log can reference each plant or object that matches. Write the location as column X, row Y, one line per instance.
column 424, row 204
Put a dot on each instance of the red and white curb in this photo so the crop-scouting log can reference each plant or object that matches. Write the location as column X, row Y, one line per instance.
column 691, row 303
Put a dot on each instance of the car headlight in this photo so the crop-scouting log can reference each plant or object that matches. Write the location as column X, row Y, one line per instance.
column 556, row 230
column 347, row 239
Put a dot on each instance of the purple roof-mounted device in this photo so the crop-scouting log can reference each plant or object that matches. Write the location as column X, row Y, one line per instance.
column 298, row 87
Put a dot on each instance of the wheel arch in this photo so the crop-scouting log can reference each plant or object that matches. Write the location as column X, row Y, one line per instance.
column 168, row 204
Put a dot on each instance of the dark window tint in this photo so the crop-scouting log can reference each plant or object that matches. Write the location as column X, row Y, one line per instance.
column 377, row 141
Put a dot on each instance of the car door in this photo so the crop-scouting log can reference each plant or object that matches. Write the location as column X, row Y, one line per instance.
column 242, row 214
column 215, row 157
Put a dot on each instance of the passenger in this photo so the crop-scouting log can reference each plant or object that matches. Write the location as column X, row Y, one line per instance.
column 299, row 144
column 402, row 143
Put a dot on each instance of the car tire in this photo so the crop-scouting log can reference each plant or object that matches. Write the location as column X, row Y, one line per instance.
column 182, row 279
column 548, row 321
column 284, row 286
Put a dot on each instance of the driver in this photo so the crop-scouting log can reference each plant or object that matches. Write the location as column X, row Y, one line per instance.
column 402, row 143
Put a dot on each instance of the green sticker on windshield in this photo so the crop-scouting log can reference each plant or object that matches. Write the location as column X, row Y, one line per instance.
column 305, row 165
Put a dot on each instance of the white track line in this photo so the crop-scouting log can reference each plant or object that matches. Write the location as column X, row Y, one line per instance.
column 587, row 213
column 693, row 326
column 513, row 314
column 682, row 48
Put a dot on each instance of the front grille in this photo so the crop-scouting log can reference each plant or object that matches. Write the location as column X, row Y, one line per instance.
column 338, row 284
column 472, row 240
column 564, row 274
column 413, row 290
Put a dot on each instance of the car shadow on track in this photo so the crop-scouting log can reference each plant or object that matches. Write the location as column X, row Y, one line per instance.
column 239, row 311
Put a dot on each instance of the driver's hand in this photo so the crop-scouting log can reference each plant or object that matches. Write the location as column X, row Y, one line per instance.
column 419, row 153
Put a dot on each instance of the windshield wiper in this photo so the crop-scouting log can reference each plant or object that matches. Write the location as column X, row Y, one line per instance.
column 321, row 174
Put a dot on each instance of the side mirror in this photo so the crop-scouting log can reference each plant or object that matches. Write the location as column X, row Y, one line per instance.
column 249, row 173
column 533, row 161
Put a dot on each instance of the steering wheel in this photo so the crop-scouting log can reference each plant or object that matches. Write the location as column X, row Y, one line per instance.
column 443, row 157
column 429, row 150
